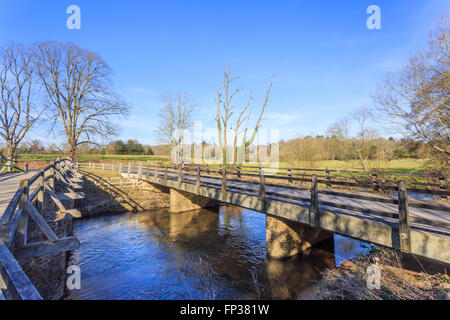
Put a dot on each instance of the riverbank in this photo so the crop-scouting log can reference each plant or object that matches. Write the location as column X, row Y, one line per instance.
column 103, row 197
column 402, row 277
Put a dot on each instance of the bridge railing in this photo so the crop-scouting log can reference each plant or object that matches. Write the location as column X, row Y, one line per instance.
column 28, row 202
column 256, row 180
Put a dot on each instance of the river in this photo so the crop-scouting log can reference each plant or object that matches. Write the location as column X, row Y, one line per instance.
column 193, row 255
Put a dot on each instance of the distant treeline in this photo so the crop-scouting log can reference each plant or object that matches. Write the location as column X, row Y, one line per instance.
column 301, row 149
column 333, row 148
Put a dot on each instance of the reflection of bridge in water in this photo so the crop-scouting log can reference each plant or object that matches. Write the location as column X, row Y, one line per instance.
column 300, row 216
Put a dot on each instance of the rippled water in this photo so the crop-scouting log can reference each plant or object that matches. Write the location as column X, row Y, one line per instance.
column 193, row 255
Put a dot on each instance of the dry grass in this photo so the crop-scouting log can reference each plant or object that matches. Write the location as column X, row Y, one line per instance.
column 348, row 281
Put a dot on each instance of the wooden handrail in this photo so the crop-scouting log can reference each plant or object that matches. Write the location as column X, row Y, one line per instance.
column 18, row 284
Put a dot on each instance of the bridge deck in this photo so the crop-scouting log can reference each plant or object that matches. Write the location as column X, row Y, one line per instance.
column 9, row 184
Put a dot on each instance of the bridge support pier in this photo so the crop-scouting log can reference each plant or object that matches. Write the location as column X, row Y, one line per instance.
column 181, row 201
column 285, row 239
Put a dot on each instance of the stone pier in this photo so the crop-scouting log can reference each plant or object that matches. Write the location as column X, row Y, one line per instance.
column 286, row 238
column 181, row 201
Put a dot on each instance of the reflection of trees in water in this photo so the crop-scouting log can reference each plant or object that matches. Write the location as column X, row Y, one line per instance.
column 218, row 260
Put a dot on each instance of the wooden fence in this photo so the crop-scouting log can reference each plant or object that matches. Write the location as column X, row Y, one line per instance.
column 255, row 180
column 28, row 202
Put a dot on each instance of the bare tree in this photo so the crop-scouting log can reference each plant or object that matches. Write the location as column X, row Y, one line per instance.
column 364, row 137
column 79, row 89
column 225, row 102
column 416, row 99
column 17, row 109
column 174, row 117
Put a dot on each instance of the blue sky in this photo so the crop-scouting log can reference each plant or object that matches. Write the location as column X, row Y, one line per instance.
column 326, row 61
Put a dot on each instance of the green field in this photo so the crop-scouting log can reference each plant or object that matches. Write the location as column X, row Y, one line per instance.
column 92, row 157
column 400, row 165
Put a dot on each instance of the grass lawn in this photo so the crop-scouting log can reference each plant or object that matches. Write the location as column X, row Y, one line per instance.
column 93, row 157
column 400, row 165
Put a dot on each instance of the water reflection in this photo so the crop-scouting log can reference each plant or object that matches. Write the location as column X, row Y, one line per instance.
column 193, row 255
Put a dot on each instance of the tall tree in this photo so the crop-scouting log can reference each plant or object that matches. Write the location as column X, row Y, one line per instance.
column 225, row 110
column 174, row 117
column 363, row 146
column 18, row 111
column 79, row 89
column 416, row 99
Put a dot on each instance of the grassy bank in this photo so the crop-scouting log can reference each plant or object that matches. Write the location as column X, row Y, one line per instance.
column 115, row 199
column 402, row 277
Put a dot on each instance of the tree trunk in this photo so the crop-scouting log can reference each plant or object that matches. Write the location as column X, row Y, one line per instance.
column 10, row 153
column 73, row 152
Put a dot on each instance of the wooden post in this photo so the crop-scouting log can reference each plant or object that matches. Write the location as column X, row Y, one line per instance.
column 239, row 171
column 103, row 166
column 179, row 176
column 140, row 171
column 403, row 217
column 22, row 228
column 290, row 174
column 207, row 169
column 129, row 170
column 442, row 183
column 40, row 198
column 224, row 184
column 51, row 180
column 328, row 177
column 120, row 168
column 148, row 169
column 315, row 200
column 198, row 180
column 374, row 180
column 165, row 175
column 262, row 189
column 121, row 180
column 155, row 173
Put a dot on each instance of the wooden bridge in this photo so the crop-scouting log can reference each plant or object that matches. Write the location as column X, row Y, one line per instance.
column 405, row 211
column 26, row 199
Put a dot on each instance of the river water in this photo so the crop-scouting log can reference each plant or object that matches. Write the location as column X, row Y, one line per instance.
column 193, row 255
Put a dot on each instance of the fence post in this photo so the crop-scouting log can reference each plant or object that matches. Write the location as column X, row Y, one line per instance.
column 374, row 180
column 179, row 176
column 207, row 169
column 22, row 228
column 51, row 181
column 165, row 175
column 129, row 170
column 40, row 198
column 224, row 184
column 155, row 174
column 328, row 177
column 140, row 171
column 103, row 166
column 262, row 189
column 403, row 217
column 198, row 180
column 239, row 171
column 315, row 200
column 120, row 168
column 442, row 184
column 290, row 174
